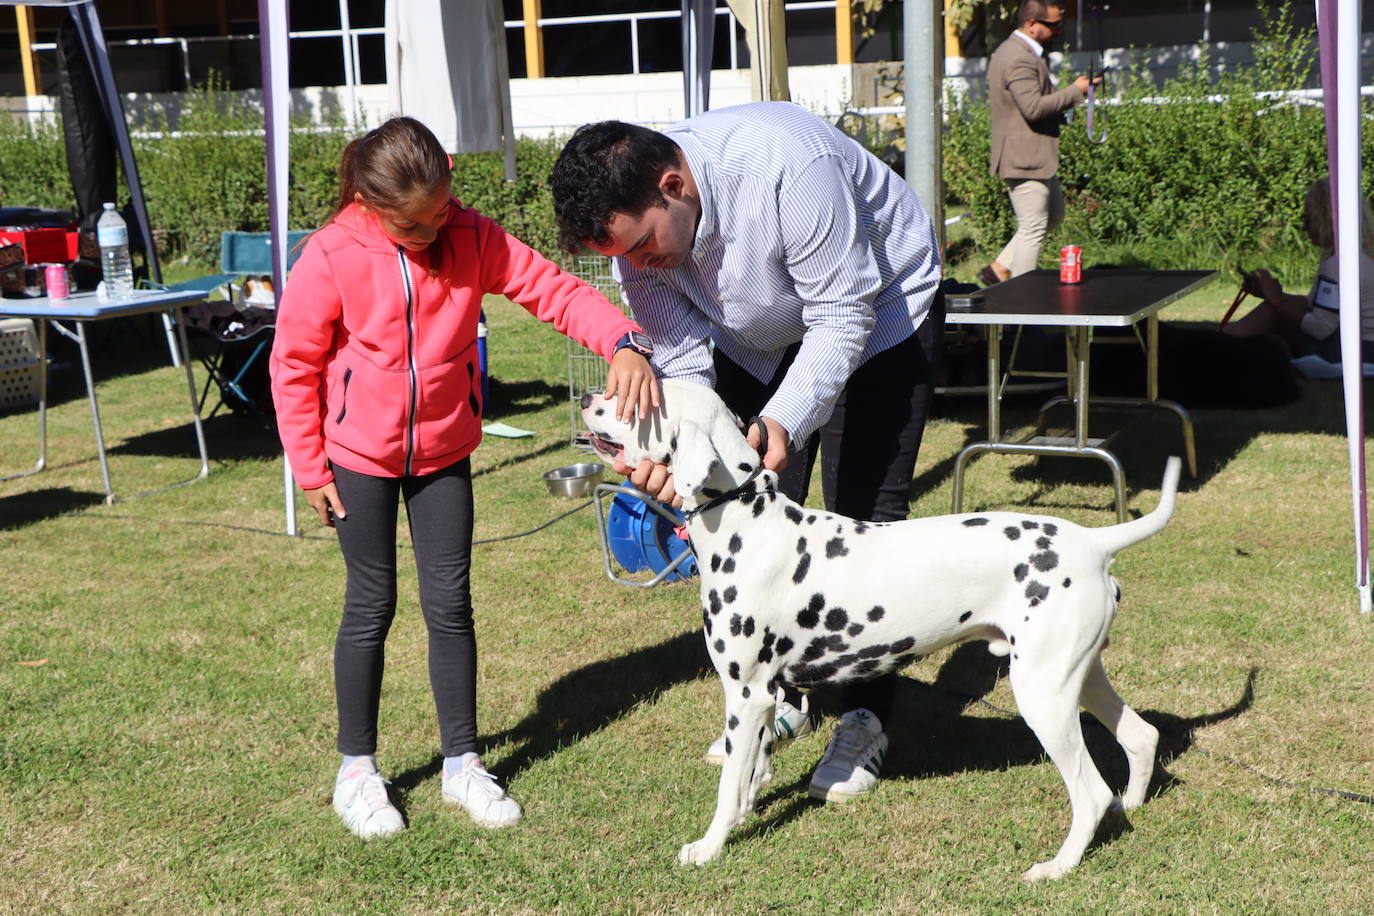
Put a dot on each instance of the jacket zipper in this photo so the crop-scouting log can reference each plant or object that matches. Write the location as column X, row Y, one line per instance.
column 410, row 359
column 348, row 375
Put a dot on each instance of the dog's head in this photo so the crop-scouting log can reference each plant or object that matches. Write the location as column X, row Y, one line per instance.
column 693, row 432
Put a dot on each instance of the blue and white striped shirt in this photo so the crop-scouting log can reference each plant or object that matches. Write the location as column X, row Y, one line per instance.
column 804, row 236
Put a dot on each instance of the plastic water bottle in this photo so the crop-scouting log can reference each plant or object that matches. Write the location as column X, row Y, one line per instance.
column 113, row 236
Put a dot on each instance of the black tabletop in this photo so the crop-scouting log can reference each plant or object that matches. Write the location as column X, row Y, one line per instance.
column 1105, row 297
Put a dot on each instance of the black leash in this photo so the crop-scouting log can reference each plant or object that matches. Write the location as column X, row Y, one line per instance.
column 744, row 489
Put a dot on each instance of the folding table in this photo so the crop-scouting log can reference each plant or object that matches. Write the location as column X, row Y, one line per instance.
column 1105, row 298
column 77, row 310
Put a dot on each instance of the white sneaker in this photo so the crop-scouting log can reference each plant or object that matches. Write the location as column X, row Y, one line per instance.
column 360, row 798
column 852, row 760
column 480, row 794
column 789, row 724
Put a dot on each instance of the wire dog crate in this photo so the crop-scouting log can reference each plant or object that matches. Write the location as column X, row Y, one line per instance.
column 587, row 370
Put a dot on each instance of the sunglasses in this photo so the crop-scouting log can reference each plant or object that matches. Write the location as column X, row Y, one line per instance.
column 1053, row 25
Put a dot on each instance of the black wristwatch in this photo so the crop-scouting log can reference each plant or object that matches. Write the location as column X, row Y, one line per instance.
column 638, row 341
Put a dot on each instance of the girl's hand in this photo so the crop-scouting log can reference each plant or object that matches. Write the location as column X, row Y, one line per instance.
column 1261, row 283
column 632, row 378
column 325, row 500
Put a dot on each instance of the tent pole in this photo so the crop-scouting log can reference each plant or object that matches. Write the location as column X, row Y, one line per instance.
column 923, row 67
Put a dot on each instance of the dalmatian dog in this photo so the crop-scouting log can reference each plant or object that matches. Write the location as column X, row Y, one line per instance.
column 804, row 597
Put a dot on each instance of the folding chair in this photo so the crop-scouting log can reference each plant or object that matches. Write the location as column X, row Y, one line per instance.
column 230, row 336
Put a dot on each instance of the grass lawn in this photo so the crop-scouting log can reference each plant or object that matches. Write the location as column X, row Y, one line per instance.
column 167, row 717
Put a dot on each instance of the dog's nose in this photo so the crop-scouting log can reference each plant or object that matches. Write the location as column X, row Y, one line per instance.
column 587, row 400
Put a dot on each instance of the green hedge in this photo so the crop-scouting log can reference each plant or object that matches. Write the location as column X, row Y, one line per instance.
column 1184, row 179
column 206, row 174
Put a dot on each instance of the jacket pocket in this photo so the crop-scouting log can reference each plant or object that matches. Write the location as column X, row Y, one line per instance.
column 448, row 411
column 368, row 409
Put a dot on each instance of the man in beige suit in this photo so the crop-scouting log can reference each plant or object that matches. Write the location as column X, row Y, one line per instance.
column 1026, row 114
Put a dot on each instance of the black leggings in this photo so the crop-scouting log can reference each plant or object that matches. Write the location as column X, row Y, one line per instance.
column 868, row 447
column 439, row 507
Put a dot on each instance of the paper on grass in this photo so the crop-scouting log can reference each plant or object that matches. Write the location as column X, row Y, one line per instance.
column 506, row 432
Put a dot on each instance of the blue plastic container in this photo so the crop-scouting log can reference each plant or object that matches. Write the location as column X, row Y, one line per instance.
column 642, row 539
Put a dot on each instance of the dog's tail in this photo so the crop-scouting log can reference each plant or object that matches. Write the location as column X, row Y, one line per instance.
column 1119, row 537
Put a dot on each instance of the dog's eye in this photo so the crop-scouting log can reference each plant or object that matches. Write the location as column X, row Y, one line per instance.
column 600, row 411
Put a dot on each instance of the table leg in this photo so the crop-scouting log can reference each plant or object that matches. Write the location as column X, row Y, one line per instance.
column 95, row 409
column 42, row 462
column 994, row 416
column 195, row 402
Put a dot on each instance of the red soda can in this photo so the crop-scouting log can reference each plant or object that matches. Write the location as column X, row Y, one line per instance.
column 1071, row 264
column 55, row 276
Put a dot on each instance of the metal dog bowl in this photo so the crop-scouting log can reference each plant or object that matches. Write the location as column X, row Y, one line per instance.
column 573, row 480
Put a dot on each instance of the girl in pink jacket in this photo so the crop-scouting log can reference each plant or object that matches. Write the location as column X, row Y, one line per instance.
column 378, row 397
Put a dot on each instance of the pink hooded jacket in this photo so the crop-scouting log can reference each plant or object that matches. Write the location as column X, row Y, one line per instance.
column 374, row 363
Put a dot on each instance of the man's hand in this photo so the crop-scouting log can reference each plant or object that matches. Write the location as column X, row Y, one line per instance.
column 654, row 479
column 1261, row 283
column 775, row 459
column 1083, row 83
column 325, row 500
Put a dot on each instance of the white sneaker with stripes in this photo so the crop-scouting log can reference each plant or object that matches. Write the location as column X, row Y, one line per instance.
column 853, row 759
column 789, row 723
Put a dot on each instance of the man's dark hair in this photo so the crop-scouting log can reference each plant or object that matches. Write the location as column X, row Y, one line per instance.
column 1036, row 9
column 607, row 168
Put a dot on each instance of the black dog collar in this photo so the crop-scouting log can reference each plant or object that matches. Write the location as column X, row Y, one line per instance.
column 744, row 489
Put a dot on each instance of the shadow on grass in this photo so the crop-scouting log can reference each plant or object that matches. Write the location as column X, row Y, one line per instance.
column 33, row 506
column 931, row 737
column 228, row 437
column 585, row 701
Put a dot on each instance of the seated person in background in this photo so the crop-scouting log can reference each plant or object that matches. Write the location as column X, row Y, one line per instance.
column 1309, row 323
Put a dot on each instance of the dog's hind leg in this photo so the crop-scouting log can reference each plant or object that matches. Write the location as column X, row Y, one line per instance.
column 1138, row 738
column 1047, row 700
column 748, row 750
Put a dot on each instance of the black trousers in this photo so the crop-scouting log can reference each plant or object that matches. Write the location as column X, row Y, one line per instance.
column 439, row 507
column 867, row 448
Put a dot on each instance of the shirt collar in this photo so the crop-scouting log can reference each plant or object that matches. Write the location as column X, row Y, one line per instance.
column 701, row 175
column 1035, row 46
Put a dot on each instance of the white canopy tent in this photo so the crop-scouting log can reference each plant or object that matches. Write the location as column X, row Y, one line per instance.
column 1340, row 36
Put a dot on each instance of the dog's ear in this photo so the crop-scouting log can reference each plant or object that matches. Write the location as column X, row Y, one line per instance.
column 694, row 459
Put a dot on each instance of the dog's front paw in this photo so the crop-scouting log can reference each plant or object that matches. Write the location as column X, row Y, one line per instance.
column 698, row 853
column 1045, row 871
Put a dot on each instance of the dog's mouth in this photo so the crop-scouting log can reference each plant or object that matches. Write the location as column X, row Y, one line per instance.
column 605, row 446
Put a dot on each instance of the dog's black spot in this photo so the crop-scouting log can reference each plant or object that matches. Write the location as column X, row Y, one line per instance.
column 876, row 651
column 902, row 645
column 807, row 619
column 802, row 566
column 769, row 636
column 963, row 618
column 1021, row 571
column 720, row 645
column 759, row 503
column 845, row 661
column 836, row 619
column 732, row 723
column 728, row 596
column 736, row 624
column 746, row 693
column 762, row 729
column 876, row 613
column 729, row 748
column 784, row 646
column 868, row 667
column 599, row 412
column 1045, row 560
column 1068, row 582
column 974, row 522
column 745, row 467
column 806, row 675
column 1036, row 592
column 801, row 545
column 1043, row 543
column 793, row 514
column 728, row 566
column 706, row 620
column 811, row 519
column 1028, row 524
column 816, row 649
column 672, row 443
column 715, row 562
column 1050, row 528
column 1011, row 533
column 835, row 548
column 860, row 527
column 735, row 543
column 855, row 629
column 765, row 655
column 714, row 598
column 1118, row 591
column 1012, row 640
column 749, row 626
column 734, row 670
